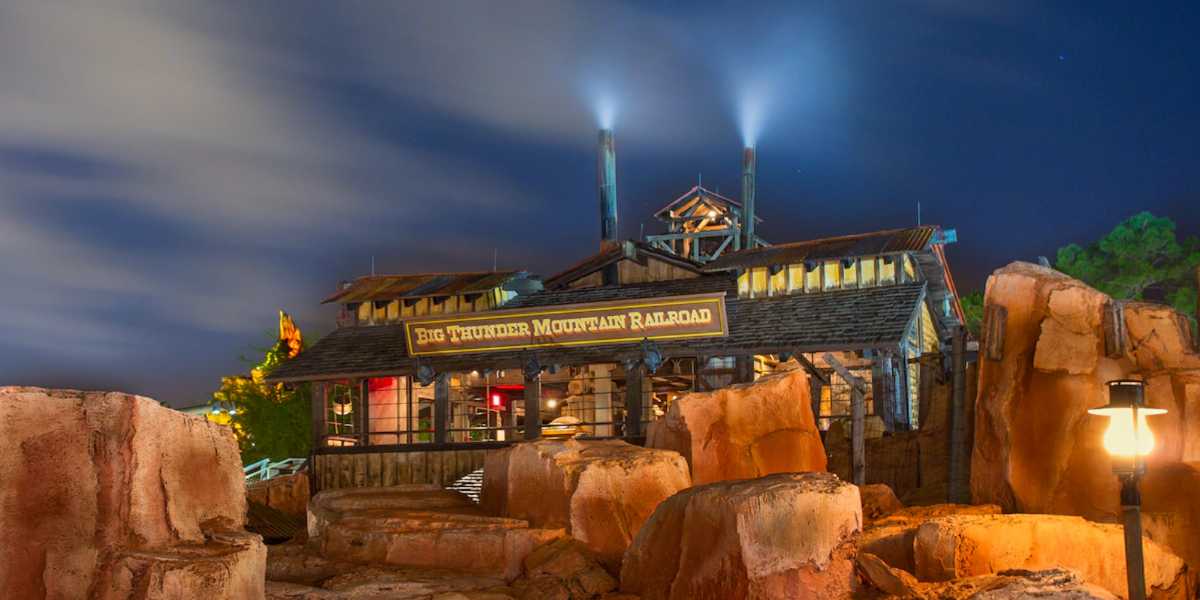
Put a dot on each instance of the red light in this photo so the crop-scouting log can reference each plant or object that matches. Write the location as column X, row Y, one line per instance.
column 497, row 400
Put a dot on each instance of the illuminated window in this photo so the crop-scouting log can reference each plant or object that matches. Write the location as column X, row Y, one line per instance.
column 341, row 400
column 744, row 284
column 850, row 274
column 833, row 274
column 812, row 279
column 887, row 270
column 364, row 313
column 779, row 283
column 379, row 311
column 758, row 282
column 866, row 272
column 393, row 310
column 910, row 271
column 795, row 278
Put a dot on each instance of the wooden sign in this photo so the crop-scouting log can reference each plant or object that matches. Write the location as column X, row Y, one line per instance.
column 674, row 317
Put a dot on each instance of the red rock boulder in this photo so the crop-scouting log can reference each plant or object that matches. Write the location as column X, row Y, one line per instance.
column 954, row 547
column 599, row 491
column 890, row 538
column 102, row 493
column 744, row 431
column 1036, row 448
column 787, row 535
column 419, row 525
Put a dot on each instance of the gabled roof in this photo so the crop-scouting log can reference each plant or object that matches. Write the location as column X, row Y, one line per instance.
column 836, row 320
column 611, row 253
column 392, row 287
column 705, row 194
column 912, row 239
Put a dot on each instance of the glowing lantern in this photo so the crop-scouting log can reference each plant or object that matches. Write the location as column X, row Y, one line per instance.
column 1128, row 435
column 1129, row 438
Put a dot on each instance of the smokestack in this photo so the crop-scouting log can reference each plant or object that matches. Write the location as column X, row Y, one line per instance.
column 606, row 177
column 748, row 160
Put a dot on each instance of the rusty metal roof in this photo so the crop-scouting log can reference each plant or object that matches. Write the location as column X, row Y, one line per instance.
column 912, row 239
column 392, row 287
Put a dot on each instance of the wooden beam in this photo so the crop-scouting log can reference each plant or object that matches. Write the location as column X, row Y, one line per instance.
column 317, row 409
column 858, row 420
column 533, row 406
column 1113, row 323
column 634, row 392
column 995, row 318
column 441, row 409
column 364, row 413
column 811, row 368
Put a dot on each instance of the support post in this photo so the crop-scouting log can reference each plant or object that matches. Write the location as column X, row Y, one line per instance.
column 364, row 413
column 1131, row 514
column 441, row 409
column 634, row 391
column 858, row 418
column 318, row 414
column 960, row 451
column 743, row 367
column 508, row 420
column 533, row 406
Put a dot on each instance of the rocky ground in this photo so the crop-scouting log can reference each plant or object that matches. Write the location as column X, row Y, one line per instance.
column 111, row 496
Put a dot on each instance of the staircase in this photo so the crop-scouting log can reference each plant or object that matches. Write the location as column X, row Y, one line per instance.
column 470, row 484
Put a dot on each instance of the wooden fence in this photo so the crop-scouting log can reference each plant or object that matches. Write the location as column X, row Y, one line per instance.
column 379, row 469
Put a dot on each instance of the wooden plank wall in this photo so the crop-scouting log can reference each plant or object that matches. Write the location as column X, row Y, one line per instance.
column 381, row 469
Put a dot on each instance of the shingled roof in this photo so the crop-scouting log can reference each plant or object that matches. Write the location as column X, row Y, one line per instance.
column 912, row 239
column 392, row 287
column 836, row 320
column 636, row 251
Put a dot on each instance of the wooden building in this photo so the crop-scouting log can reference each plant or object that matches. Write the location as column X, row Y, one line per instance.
column 426, row 373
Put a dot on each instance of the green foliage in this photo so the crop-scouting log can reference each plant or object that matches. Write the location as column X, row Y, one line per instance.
column 1139, row 254
column 972, row 305
column 270, row 420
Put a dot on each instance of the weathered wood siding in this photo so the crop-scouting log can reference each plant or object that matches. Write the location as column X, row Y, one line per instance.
column 381, row 469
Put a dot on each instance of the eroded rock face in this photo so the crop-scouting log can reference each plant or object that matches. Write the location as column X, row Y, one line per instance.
column 744, row 431
column 954, row 547
column 600, row 492
column 419, row 525
column 1036, row 448
column 786, row 535
column 94, row 482
column 891, row 538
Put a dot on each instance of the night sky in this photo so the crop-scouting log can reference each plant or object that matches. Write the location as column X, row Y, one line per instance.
column 172, row 174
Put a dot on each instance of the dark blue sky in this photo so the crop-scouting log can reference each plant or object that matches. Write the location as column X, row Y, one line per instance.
column 172, row 174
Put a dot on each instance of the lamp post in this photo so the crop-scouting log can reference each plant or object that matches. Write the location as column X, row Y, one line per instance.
column 1128, row 440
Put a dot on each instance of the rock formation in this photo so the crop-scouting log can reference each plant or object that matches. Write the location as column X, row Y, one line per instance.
column 600, row 492
column 878, row 501
column 786, row 535
column 419, row 525
column 744, row 431
column 890, row 538
column 109, row 495
column 1036, row 449
column 287, row 493
column 960, row 546
column 1006, row 585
